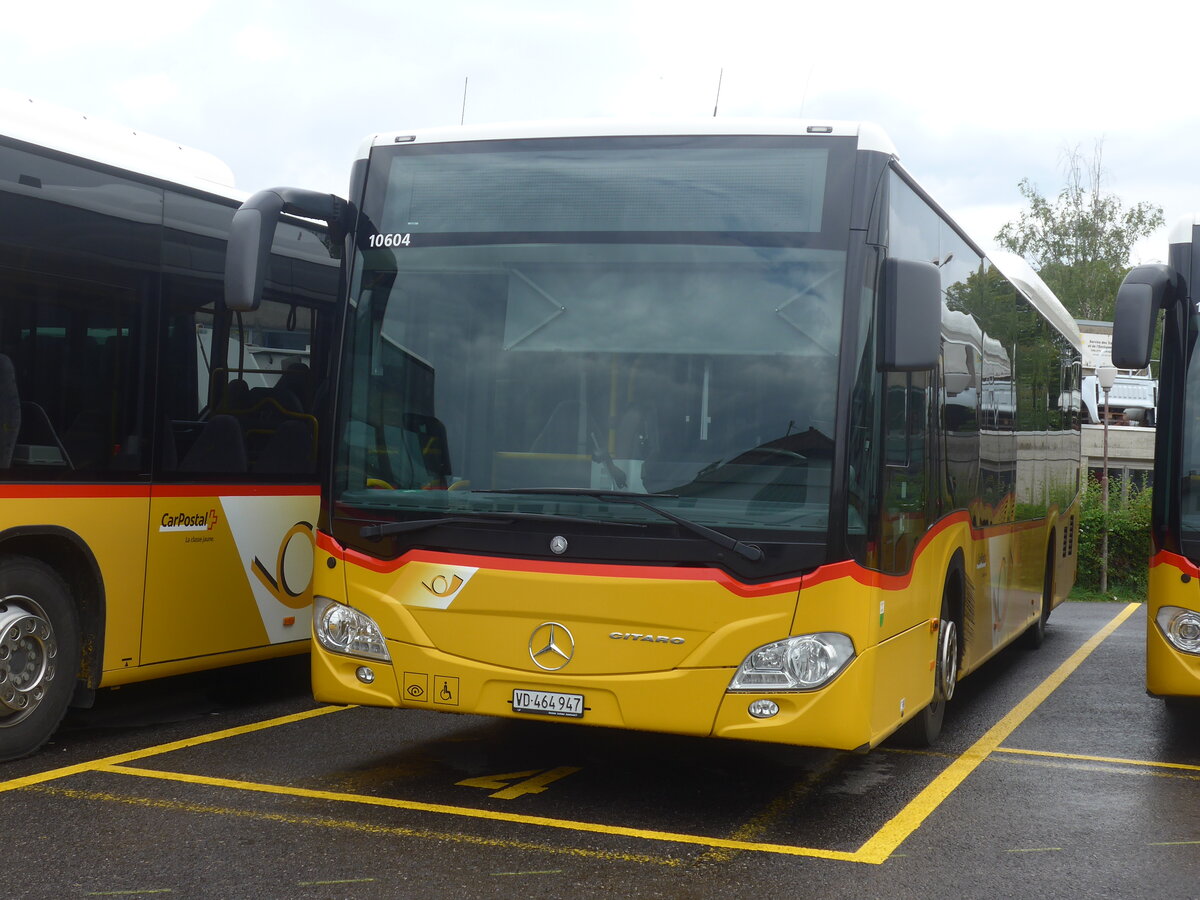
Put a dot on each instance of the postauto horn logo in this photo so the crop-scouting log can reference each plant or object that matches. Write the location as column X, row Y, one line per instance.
column 203, row 521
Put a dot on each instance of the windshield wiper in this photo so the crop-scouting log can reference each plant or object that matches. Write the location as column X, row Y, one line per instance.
column 382, row 529
column 747, row 551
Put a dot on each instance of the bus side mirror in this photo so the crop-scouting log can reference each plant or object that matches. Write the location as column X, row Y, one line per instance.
column 1145, row 291
column 248, row 253
column 910, row 321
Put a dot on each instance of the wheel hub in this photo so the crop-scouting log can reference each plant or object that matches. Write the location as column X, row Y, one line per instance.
column 947, row 660
column 27, row 656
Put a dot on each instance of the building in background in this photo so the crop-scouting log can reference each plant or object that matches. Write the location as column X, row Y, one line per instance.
column 1131, row 411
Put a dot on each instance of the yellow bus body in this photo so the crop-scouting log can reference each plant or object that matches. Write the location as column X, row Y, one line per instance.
column 1174, row 581
column 192, row 576
column 655, row 648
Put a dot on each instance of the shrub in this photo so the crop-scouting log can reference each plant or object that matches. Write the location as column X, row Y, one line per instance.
column 1128, row 537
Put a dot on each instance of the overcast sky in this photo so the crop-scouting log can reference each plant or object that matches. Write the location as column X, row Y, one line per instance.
column 285, row 91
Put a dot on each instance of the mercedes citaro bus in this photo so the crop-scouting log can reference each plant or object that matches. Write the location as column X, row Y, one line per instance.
column 713, row 427
column 1173, row 607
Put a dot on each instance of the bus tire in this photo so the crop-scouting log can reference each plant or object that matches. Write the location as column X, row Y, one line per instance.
column 923, row 728
column 39, row 654
column 1181, row 710
column 1035, row 634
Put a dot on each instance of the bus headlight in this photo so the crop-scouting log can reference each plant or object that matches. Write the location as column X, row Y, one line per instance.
column 342, row 629
column 1181, row 627
column 802, row 663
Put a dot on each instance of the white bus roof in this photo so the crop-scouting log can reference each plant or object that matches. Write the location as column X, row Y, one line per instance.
column 113, row 145
column 1181, row 229
column 870, row 137
column 1020, row 273
column 97, row 141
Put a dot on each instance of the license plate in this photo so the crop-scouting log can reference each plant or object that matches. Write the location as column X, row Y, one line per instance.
column 548, row 703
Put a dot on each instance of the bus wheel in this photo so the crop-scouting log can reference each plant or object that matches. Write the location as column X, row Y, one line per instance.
column 1036, row 632
column 923, row 728
column 1183, row 717
column 39, row 652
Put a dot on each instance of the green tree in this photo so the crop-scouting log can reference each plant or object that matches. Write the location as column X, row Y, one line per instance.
column 1081, row 242
column 1128, row 538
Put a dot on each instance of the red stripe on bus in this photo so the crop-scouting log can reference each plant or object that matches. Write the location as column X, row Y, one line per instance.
column 143, row 491
column 835, row 571
column 604, row 570
column 329, row 545
column 236, row 490
column 869, row 577
column 73, row 491
column 1182, row 563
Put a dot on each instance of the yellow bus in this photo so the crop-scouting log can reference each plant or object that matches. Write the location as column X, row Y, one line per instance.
column 157, row 452
column 713, row 427
column 1173, row 607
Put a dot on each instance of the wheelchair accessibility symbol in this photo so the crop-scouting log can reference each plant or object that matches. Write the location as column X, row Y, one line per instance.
column 445, row 690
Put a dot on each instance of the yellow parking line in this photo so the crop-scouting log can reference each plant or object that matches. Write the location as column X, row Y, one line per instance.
column 1114, row 760
column 534, row 872
column 774, row 811
column 329, row 823
column 875, row 850
column 472, row 813
column 894, row 833
column 93, row 765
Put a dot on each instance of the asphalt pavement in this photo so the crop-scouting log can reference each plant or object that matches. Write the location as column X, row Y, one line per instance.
column 1055, row 776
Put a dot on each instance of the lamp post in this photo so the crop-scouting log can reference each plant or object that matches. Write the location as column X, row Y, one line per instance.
column 1106, row 375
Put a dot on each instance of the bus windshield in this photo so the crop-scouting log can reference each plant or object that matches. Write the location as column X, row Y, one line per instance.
column 1189, row 464
column 535, row 323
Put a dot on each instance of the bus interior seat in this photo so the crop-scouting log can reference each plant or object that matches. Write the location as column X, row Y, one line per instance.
column 288, row 451
column 269, row 409
column 256, row 396
column 259, row 406
column 297, row 381
column 218, row 448
column 287, row 399
column 235, row 397
column 434, row 444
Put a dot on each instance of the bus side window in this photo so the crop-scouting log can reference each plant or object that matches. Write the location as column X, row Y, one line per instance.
column 73, row 307
column 74, row 350
column 254, row 369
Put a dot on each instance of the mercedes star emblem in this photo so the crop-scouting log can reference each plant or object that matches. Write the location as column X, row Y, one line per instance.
column 551, row 646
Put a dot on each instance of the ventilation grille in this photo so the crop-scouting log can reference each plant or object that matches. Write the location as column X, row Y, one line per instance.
column 1068, row 546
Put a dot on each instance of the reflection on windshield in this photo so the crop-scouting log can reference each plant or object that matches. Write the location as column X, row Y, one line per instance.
column 713, row 383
